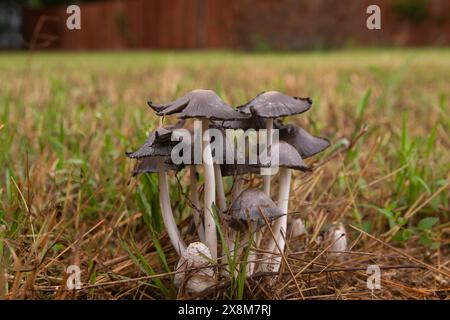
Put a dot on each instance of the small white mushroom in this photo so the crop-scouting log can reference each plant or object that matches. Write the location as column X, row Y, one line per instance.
column 297, row 228
column 195, row 200
column 337, row 237
column 197, row 255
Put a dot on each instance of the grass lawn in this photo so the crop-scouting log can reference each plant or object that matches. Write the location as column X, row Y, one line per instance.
column 67, row 195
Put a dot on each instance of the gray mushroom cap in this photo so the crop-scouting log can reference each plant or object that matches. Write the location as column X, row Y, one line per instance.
column 306, row 144
column 199, row 104
column 149, row 149
column 290, row 158
column 160, row 135
column 274, row 104
column 157, row 144
column 150, row 165
column 248, row 206
column 147, row 165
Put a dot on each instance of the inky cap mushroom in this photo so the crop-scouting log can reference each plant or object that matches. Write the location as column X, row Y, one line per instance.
column 199, row 103
column 157, row 150
column 274, row 104
column 157, row 144
column 288, row 157
column 205, row 105
column 306, row 144
column 246, row 209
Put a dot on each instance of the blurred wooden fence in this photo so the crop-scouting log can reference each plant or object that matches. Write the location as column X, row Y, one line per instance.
column 135, row 24
column 250, row 24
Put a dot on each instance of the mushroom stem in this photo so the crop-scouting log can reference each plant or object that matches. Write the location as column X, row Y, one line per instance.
column 210, row 192
column 252, row 243
column 237, row 188
column 267, row 178
column 221, row 198
column 196, row 203
column 235, row 192
column 167, row 214
column 280, row 225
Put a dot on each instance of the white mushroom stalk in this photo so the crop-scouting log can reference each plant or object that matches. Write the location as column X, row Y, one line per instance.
column 235, row 192
column 280, row 225
column 252, row 241
column 267, row 177
column 195, row 200
column 210, row 191
column 154, row 152
column 166, row 209
column 238, row 184
column 221, row 198
column 222, row 202
column 289, row 159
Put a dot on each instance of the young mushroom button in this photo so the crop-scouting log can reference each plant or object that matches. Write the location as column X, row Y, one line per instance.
column 194, row 269
column 335, row 236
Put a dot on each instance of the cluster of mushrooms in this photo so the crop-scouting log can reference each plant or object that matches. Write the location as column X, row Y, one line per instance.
column 247, row 218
